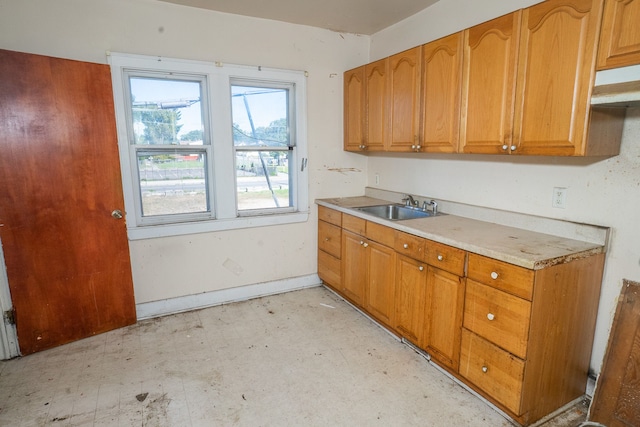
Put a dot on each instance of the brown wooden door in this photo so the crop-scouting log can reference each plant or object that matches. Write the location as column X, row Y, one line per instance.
column 556, row 68
column 620, row 37
column 489, row 85
column 441, row 83
column 354, row 267
column 404, row 100
column 354, row 109
column 411, row 278
column 443, row 316
column 381, row 288
column 67, row 258
column 376, row 118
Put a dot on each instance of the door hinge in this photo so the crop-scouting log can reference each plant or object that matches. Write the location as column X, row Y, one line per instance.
column 10, row 316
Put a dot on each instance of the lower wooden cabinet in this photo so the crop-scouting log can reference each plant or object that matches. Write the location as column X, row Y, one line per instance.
column 444, row 302
column 411, row 283
column 521, row 338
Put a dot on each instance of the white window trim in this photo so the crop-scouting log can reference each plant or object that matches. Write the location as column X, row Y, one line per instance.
column 222, row 181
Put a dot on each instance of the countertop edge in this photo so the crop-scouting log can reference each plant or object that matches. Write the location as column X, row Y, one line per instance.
column 511, row 258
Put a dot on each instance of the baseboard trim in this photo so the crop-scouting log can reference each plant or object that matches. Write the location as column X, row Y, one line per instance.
column 224, row 296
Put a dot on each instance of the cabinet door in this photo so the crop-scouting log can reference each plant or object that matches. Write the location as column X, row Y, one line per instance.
column 556, row 70
column 354, row 109
column 404, row 100
column 488, row 85
column 620, row 36
column 441, row 81
column 381, row 292
column 443, row 316
column 411, row 276
column 354, row 267
column 376, row 117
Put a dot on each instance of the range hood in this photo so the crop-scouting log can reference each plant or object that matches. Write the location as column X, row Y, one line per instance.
column 619, row 87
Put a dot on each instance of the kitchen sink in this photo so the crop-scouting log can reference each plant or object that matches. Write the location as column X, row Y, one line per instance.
column 395, row 212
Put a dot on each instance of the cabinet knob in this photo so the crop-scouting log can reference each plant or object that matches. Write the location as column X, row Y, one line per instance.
column 421, row 268
column 326, row 239
column 494, row 275
column 504, row 147
column 361, row 242
column 440, row 257
column 365, row 245
column 513, row 148
column 485, row 369
column 406, row 246
column 413, row 147
column 490, row 316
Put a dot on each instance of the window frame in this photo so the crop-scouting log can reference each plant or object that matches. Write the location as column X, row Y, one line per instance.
column 220, row 170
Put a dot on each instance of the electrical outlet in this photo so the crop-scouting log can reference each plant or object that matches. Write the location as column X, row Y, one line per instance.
column 559, row 199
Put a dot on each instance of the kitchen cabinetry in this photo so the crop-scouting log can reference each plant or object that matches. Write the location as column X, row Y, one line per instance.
column 404, row 100
column 620, row 37
column 556, row 69
column 330, row 247
column 365, row 107
column 519, row 84
column 489, row 85
column 527, row 335
column 441, row 79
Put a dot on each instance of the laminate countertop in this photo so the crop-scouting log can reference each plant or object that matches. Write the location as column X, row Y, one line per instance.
column 528, row 249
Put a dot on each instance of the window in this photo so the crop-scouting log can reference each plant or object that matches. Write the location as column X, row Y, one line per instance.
column 208, row 146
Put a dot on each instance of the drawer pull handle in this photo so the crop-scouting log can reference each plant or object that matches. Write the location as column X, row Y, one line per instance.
column 490, row 316
column 365, row 245
column 421, row 268
column 494, row 275
column 440, row 257
column 485, row 369
column 406, row 246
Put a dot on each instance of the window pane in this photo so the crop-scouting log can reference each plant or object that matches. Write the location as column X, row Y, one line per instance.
column 263, row 179
column 260, row 116
column 166, row 111
column 172, row 182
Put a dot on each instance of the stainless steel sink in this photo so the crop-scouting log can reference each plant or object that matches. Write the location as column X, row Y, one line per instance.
column 395, row 212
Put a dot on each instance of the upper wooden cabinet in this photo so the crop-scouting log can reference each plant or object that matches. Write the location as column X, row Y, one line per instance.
column 441, row 77
column 354, row 104
column 489, row 85
column 404, row 100
column 519, row 84
column 620, row 36
column 365, row 107
column 556, row 71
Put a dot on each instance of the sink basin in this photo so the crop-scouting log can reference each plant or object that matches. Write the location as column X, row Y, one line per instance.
column 395, row 212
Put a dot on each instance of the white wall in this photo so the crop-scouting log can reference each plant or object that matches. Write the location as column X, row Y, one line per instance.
column 178, row 266
column 602, row 192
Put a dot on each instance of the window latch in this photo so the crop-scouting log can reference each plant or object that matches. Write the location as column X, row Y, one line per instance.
column 303, row 164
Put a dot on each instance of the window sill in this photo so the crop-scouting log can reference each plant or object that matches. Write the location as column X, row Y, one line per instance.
column 167, row 230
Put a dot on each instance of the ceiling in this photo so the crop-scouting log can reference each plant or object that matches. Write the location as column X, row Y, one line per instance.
column 346, row 16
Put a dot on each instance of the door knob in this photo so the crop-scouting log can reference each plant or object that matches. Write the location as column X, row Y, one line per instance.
column 117, row 214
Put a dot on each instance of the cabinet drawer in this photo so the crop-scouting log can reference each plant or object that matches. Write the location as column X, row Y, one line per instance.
column 507, row 277
column 409, row 245
column 329, row 270
column 497, row 316
column 330, row 215
column 445, row 257
column 380, row 233
column 353, row 223
column 329, row 238
column 495, row 371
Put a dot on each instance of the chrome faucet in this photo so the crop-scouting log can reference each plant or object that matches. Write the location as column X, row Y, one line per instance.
column 433, row 204
column 409, row 201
